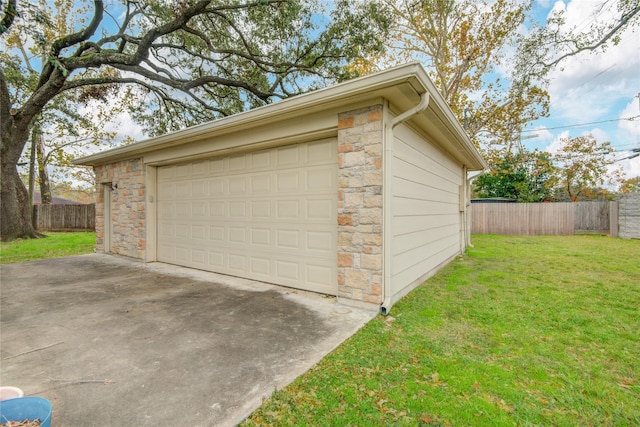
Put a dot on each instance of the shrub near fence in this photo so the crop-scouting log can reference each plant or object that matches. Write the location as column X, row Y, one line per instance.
column 540, row 218
column 64, row 217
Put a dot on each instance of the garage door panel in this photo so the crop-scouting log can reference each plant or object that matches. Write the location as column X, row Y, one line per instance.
column 319, row 275
column 261, row 184
column 320, row 209
column 237, row 235
column 183, row 171
column 268, row 215
column 261, row 209
column 183, row 190
column 237, row 209
column 216, row 186
column 287, row 239
column 182, row 209
column 166, row 230
column 288, row 182
column 321, row 151
column 199, row 232
column 200, row 209
column 182, row 254
column 166, row 210
column 320, row 179
column 287, row 209
column 261, row 266
column 216, row 166
column 287, row 271
column 199, row 189
column 322, row 241
column 166, row 252
column 216, row 234
column 167, row 191
column 261, row 237
column 237, row 163
column 237, row 185
column 288, row 156
column 216, row 260
column 198, row 257
column 260, row 159
column 217, row 209
column 200, row 168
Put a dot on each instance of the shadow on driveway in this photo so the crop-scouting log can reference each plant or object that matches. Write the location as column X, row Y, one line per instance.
column 110, row 341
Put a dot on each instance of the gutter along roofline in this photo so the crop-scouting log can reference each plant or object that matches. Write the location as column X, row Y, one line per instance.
column 400, row 85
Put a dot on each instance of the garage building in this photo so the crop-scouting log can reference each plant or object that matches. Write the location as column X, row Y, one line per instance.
column 359, row 190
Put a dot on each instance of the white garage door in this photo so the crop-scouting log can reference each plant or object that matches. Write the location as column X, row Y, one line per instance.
column 267, row 215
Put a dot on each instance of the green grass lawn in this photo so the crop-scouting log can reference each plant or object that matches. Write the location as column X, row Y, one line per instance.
column 526, row 331
column 55, row 245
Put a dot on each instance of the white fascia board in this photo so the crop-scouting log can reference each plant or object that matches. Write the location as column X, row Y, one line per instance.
column 402, row 85
column 306, row 103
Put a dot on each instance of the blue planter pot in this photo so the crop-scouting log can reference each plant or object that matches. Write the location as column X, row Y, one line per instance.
column 26, row 408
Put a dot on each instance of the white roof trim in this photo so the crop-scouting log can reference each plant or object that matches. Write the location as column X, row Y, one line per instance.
column 343, row 93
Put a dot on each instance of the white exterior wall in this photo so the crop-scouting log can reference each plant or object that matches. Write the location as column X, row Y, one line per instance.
column 425, row 214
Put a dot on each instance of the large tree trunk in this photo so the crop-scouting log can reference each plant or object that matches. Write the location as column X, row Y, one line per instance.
column 15, row 207
column 43, row 174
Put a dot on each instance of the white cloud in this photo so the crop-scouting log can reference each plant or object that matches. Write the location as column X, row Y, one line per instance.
column 599, row 135
column 632, row 127
column 124, row 125
column 631, row 167
column 585, row 87
column 544, row 3
column 544, row 134
column 558, row 142
column 121, row 123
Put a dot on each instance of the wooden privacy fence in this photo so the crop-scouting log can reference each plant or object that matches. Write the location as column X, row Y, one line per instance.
column 64, row 217
column 541, row 218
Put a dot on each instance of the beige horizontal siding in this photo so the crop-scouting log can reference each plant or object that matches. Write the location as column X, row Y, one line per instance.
column 425, row 208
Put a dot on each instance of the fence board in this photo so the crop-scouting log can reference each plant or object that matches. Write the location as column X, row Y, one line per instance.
column 592, row 217
column 614, row 213
column 540, row 218
column 64, row 217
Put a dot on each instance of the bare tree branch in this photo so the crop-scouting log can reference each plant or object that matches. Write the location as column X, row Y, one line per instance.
column 614, row 31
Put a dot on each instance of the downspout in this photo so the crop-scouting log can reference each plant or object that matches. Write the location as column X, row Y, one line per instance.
column 387, row 194
column 467, row 233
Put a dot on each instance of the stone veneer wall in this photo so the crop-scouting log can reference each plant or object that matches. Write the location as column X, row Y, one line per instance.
column 128, row 216
column 360, row 204
column 629, row 216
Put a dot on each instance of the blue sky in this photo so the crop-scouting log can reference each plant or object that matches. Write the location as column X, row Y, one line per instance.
column 596, row 94
column 592, row 93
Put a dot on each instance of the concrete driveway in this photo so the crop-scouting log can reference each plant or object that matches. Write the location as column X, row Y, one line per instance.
column 110, row 341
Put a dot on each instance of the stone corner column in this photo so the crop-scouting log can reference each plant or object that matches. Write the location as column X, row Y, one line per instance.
column 360, row 230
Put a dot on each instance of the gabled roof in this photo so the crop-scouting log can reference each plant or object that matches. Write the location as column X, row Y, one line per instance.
column 402, row 86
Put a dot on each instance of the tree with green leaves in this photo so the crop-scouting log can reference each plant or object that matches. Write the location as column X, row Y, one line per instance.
column 462, row 43
column 583, row 164
column 630, row 185
column 190, row 61
column 526, row 176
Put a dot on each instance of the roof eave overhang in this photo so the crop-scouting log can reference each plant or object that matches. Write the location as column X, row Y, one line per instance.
column 402, row 86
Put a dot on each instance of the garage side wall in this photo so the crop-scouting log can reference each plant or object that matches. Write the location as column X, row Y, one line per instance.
column 127, row 207
column 426, row 219
column 360, row 205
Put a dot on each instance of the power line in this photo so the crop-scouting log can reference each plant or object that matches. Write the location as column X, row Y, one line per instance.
column 583, row 124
